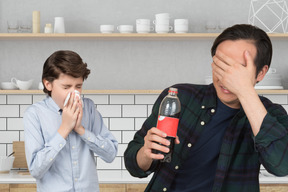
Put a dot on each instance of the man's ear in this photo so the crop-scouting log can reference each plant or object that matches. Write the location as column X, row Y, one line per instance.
column 262, row 73
column 47, row 84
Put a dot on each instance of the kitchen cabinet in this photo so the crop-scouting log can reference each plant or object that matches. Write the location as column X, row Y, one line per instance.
column 112, row 187
column 135, row 187
column 129, row 187
column 18, row 187
column 23, row 188
column 4, row 187
column 273, row 187
column 121, row 187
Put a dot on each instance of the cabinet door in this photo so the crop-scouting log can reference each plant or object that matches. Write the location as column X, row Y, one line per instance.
column 274, row 187
column 23, row 188
column 136, row 187
column 112, row 187
column 4, row 187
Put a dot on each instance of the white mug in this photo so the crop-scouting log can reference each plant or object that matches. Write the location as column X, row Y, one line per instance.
column 162, row 16
column 163, row 28
column 161, row 22
column 125, row 28
column 59, row 26
column 180, row 28
column 144, row 28
column 107, row 28
column 181, row 22
column 271, row 70
column 142, row 21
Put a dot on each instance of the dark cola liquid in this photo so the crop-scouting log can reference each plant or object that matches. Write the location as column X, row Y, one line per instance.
column 168, row 156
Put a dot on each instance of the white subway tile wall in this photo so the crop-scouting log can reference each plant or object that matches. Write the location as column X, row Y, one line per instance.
column 134, row 110
column 2, row 149
column 2, row 99
column 9, row 110
column 2, row 124
column 19, row 99
column 121, row 123
column 122, row 99
column 123, row 114
column 14, row 124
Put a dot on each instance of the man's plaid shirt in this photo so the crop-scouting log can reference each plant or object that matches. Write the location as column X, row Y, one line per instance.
column 241, row 153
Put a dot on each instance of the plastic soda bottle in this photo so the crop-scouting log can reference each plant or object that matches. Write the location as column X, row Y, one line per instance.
column 168, row 119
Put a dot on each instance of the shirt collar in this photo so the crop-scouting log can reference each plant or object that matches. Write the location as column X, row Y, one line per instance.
column 52, row 105
column 210, row 98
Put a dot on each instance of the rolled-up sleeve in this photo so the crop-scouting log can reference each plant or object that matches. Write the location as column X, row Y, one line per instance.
column 272, row 142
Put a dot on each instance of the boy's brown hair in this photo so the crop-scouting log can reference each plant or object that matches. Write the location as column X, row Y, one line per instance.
column 66, row 62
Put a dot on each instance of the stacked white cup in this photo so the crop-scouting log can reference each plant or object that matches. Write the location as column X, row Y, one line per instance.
column 162, row 23
column 143, row 26
column 181, row 25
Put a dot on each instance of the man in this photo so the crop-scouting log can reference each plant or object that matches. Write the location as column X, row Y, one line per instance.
column 225, row 129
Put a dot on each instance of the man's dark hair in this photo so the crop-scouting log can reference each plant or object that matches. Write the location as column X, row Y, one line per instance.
column 251, row 33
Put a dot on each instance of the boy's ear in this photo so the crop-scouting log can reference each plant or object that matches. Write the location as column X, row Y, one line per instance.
column 262, row 73
column 47, row 84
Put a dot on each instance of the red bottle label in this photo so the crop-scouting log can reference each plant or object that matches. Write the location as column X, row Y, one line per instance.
column 168, row 125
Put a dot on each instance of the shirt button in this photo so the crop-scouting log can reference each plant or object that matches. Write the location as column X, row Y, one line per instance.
column 75, row 162
column 212, row 110
column 202, row 123
column 164, row 189
column 176, row 167
column 76, row 179
column 51, row 159
column 202, row 107
column 102, row 146
column 189, row 145
column 60, row 145
column 88, row 138
column 73, row 147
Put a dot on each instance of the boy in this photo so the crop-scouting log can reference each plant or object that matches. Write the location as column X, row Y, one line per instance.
column 60, row 141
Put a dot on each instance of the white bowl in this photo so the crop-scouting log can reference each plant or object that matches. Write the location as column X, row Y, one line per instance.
column 208, row 80
column 22, row 85
column 271, row 79
column 8, row 85
column 6, row 163
column 107, row 28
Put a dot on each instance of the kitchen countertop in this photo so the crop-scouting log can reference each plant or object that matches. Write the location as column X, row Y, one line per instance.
column 106, row 176
column 123, row 176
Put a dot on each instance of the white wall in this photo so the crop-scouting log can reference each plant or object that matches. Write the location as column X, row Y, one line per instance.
column 123, row 64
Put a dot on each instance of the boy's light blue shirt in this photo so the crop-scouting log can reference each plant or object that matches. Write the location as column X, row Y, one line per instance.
column 60, row 164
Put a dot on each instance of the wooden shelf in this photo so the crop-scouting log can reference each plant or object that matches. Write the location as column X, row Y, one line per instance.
column 15, row 92
column 119, row 35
